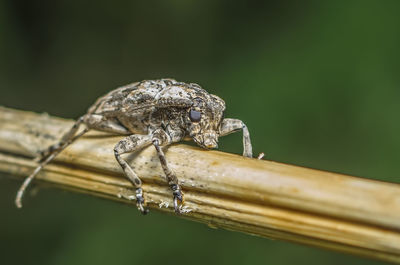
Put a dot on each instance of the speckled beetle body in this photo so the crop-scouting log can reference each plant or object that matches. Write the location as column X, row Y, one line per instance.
column 157, row 112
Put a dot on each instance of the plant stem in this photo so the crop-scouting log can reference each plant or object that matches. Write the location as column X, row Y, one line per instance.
column 264, row 198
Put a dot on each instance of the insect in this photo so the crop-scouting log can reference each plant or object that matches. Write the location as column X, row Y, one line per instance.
column 151, row 112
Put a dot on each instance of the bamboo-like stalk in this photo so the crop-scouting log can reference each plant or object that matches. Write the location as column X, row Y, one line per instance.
column 265, row 198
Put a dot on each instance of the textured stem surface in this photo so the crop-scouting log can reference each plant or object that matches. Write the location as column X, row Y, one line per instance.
column 264, row 198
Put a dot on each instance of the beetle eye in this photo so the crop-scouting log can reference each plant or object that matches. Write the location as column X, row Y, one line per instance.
column 194, row 116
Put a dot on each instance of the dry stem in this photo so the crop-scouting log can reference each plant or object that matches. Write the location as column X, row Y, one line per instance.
column 264, row 198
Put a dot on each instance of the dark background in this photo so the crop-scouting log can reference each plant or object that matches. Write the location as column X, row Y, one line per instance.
column 316, row 82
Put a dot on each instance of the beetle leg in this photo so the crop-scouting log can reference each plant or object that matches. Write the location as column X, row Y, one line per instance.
column 49, row 154
column 130, row 144
column 111, row 125
column 233, row 125
column 65, row 138
column 160, row 137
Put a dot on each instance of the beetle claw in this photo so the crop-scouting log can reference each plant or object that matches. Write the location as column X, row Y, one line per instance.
column 177, row 197
column 142, row 209
column 177, row 205
column 140, row 201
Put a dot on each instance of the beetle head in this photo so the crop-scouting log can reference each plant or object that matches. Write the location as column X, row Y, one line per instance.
column 204, row 120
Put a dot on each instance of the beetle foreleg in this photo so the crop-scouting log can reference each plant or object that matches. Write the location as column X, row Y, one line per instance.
column 160, row 137
column 130, row 144
column 233, row 125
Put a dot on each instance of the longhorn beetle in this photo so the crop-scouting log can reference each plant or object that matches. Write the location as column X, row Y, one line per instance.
column 157, row 112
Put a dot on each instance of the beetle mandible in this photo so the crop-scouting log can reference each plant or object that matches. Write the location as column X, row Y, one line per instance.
column 151, row 112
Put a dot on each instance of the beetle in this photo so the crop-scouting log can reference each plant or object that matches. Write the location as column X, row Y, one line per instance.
column 151, row 112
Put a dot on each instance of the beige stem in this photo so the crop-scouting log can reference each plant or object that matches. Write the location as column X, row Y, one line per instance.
column 264, row 198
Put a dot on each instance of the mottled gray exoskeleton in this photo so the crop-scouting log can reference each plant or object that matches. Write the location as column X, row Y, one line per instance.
column 157, row 112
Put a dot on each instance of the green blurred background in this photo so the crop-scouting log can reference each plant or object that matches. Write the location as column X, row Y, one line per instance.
column 316, row 82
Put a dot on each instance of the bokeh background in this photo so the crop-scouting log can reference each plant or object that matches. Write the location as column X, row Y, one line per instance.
column 317, row 83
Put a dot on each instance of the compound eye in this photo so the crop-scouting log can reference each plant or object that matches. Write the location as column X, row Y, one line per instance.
column 194, row 116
